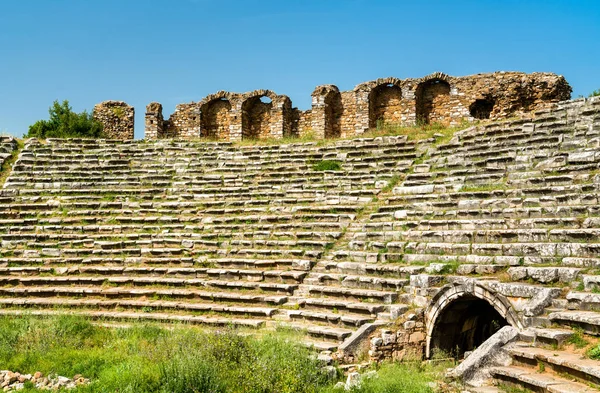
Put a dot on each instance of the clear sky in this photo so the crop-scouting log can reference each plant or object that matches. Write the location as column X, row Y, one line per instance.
column 139, row 51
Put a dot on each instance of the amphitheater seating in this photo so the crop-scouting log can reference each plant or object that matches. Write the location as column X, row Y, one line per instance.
column 254, row 236
column 204, row 233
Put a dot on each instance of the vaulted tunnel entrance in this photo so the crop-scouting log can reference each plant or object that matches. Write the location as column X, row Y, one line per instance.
column 465, row 324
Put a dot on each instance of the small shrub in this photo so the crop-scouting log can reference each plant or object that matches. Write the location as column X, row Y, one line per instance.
column 594, row 352
column 577, row 339
column 595, row 93
column 327, row 165
column 64, row 123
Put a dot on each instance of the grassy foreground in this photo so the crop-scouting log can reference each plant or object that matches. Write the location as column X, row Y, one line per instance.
column 149, row 358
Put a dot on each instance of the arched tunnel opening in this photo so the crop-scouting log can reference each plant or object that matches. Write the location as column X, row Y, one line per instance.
column 463, row 325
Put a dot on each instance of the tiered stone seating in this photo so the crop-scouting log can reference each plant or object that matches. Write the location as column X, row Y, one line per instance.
column 254, row 236
column 205, row 233
column 8, row 145
column 515, row 201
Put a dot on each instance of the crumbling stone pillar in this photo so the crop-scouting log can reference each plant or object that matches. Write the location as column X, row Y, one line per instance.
column 362, row 111
column 154, row 121
column 184, row 123
column 117, row 119
column 235, row 125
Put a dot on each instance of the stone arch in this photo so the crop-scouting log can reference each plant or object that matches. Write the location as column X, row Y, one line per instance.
column 462, row 316
column 385, row 103
column 257, row 114
column 333, row 114
column 431, row 98
column 215, row 119
column 482, row 108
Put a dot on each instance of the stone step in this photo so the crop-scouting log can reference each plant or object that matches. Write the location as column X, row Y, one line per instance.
column 126, row 293
column 352, row 321
column 154, row 317
column 143, row 305
column 588, row 321
column 356, row 281
column 351, row 293
column 552, row 336
column 147, row 281
column 562, row 362
column 544, row 382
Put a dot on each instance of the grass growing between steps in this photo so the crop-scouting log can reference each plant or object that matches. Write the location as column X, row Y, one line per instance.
column 8, row 163
column 150, row 358
column 441, row 132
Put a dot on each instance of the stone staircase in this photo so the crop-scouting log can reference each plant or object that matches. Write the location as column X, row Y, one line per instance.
column 541, row 360
column 8, row 145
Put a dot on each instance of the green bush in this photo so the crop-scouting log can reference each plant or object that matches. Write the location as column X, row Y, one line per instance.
column 64, row 123
column 595, row 93
column 594, row 352
column 327, row 165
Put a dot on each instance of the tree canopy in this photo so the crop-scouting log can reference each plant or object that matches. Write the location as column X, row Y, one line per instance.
column 64, row 123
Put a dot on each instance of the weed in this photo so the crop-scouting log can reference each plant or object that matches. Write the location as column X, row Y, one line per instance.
column 577, row 339
column 327, row 165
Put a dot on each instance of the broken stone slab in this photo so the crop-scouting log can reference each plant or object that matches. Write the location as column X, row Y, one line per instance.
column 474, row 369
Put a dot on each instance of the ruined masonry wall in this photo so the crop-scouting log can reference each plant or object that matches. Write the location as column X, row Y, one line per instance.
column 117, row 118
column 435, row 98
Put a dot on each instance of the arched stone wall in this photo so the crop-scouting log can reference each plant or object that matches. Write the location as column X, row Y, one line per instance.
column 385, row 105
column 256, row 118
column 433, row 101
column 262, row 120
column 434, row 98
column 452, row 292
column 215, row 119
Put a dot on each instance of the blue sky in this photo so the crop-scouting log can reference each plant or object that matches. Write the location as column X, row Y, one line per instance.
column 182, row 50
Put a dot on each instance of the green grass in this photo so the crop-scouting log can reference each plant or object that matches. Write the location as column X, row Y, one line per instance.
column 327, row 165
column 400, row 378
column 8, row 163
column 150, row 358
column 392, row 182
column 577, row 339
column 419, row 132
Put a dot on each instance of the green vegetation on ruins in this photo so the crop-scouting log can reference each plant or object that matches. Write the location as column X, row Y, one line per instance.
column 440, row 132
column 64, row 123
column 9, row 161
column 418, row 132
column 327, row 165
column 149, row 358
column 595, row 93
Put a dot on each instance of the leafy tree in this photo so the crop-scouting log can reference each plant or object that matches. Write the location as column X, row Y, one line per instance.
column 64, row 123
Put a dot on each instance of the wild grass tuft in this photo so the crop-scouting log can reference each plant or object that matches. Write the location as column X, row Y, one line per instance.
column 327, row 165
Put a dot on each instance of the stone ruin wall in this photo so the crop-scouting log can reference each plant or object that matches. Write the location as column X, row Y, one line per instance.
column 117, row 119
column 435, row 98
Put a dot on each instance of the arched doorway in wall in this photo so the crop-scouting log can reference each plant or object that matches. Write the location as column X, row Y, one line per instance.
column 256, row 117
column 333, row 115
column 464, row 324
column 482, row 108
column 385, row 105
column 215, row 120
column 431, row 96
